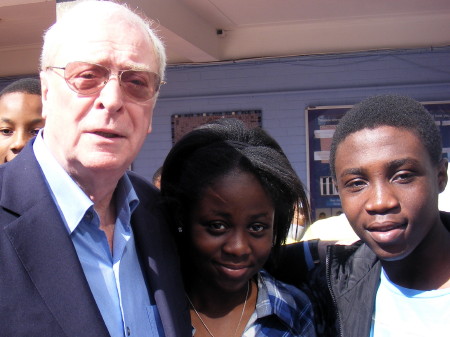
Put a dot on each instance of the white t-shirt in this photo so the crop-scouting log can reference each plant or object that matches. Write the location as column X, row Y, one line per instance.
column 402, row 312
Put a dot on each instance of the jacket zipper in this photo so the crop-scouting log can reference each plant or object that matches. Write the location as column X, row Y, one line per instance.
column 328, row 276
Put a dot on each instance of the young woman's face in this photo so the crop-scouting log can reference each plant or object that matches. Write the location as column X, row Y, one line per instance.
column 231, row 231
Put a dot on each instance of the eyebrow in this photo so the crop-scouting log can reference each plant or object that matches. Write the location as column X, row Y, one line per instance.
column 394, row 164
column 352, row 171
column 400, row 162
column 253, row 217
column 137, row 67
column 10, row 121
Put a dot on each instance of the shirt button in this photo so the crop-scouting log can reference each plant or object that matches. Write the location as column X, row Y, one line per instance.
column 89, row 216
column 128, row 331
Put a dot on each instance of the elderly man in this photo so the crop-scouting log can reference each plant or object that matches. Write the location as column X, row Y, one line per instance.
column 84, row 249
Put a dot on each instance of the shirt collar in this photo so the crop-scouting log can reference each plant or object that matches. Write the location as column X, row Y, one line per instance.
column 72, row 202
column 273, row 302
column 126, row 201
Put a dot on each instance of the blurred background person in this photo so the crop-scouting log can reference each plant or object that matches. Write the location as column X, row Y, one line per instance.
column 334, row 228
column 297, row 228
column 156, row 179
column 20, row 116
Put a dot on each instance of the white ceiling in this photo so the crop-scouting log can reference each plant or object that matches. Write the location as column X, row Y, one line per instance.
column 251, row 28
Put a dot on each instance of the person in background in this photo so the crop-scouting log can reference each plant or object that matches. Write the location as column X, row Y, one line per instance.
column 297, row 228
column 84, row 247
column 386, row 161
column 232, row 194
column 334, row 228
column 156, row 179
column 20, row 116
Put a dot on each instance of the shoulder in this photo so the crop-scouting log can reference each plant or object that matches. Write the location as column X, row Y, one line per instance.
column 283, row 292
column 356, row 259
column 343, row 253
column 140, row 182
column 144, row 189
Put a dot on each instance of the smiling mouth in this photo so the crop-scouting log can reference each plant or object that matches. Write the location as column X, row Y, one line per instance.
column 233, row 267
column 387, row 233
column 233, row 271
column 386, row 227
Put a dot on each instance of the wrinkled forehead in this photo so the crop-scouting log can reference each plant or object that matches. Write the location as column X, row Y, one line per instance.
column 104, row 37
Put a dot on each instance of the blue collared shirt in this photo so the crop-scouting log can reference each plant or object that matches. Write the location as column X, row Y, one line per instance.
column 116, row 279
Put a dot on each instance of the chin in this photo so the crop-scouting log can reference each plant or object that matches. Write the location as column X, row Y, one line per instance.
column 391, row 255
column 106, row 164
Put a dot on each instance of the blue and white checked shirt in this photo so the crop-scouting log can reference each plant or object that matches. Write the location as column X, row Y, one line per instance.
column 282, row 310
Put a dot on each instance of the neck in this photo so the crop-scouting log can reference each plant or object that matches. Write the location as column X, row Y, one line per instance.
column 214, row 314
column 427, row 267
column 102, row 195
column 216, row 302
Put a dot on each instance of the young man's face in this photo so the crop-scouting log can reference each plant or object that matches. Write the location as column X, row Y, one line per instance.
column 20, row 120
column 389, row 189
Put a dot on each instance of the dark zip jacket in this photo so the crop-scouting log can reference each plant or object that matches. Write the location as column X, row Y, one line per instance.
column 343, row 290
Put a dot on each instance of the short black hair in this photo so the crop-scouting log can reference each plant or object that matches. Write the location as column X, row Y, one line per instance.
column 389, row 110
column 215, row 149
column 28, row 85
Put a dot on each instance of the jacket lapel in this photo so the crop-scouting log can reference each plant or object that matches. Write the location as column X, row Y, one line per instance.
column 160, row 263
column 45, row 249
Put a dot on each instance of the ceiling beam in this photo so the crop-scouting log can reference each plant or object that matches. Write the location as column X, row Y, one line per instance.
column 189, row 35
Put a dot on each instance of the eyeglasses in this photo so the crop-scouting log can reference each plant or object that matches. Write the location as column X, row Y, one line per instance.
column 88, row 78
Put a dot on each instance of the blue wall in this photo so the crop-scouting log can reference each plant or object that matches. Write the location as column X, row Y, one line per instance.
column 282, row 88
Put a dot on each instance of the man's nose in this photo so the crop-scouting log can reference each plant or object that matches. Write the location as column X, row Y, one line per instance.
column 111, row 96
column 382, row 198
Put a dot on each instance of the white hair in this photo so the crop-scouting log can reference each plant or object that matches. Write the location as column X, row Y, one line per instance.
column 84, row 11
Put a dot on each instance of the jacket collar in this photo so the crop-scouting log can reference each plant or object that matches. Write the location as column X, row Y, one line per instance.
column 44, row 248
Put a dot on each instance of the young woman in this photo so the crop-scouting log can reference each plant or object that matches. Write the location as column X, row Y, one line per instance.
column 232, row 194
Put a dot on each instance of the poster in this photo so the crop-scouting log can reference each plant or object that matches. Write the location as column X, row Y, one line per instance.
column 183, row 123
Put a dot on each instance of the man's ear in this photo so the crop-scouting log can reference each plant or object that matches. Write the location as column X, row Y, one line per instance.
column 44, row 91
column 442, row 174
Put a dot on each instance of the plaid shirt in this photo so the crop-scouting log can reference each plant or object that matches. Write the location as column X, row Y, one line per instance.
column 281, row 311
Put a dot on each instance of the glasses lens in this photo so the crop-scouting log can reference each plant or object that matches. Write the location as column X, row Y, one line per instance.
column 86, row 78
column 140, row 85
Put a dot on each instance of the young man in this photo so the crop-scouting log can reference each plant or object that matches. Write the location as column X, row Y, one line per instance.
column 20, row 116
column 84, row 246
column 386, row 160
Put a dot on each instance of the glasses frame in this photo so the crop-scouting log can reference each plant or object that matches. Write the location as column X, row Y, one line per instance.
column 110, row 73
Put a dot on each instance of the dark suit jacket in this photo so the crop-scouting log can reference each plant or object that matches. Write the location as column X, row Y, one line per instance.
column 43, row 290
